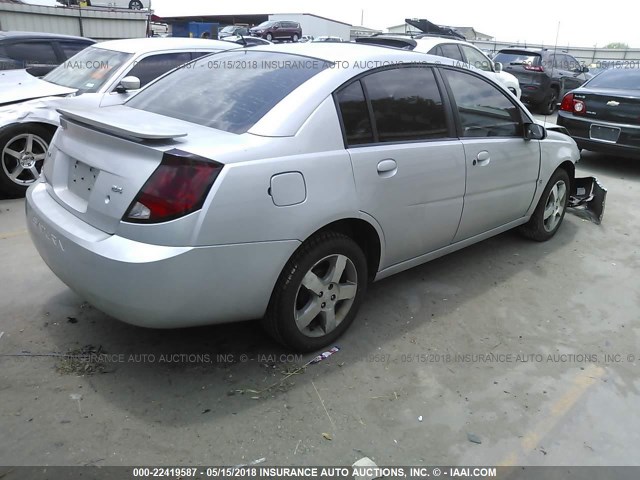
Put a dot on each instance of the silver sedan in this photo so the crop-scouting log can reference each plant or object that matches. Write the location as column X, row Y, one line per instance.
column 277, row 182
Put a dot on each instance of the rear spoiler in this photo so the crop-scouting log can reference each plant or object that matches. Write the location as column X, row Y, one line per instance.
column 111, row 120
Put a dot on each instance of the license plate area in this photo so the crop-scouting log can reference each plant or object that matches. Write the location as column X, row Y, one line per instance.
column 604, row 134
column 82, row 179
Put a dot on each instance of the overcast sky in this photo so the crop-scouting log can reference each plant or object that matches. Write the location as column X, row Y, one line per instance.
column 581, row 22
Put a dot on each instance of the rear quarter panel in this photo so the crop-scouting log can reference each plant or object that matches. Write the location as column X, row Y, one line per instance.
column 240, row 209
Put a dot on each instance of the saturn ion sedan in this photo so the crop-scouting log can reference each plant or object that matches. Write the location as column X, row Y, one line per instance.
column 276, row 182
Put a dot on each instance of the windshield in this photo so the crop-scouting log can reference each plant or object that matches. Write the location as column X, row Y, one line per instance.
column 229, row 29
column 211, row 92
column 89, row 70
column 517, row 58
column 618, row 78
column 265, row 25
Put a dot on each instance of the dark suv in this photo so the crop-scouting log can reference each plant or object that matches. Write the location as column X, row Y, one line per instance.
column 544, row 75
column 39, row 53
column 279, row 30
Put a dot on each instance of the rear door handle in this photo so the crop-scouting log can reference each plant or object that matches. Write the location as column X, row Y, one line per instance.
column 482, row 159
column 387, row 168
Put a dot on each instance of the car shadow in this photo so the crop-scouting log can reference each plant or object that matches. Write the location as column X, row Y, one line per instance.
column 190, row 376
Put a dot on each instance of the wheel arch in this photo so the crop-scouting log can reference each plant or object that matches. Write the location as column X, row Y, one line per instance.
column 569, row 167
column 367, row 234
column 48, row 126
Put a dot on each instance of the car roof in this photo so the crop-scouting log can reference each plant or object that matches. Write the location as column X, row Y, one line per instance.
column 40, row 35
column 153, row 44
column 352, row 52
column 420, row 42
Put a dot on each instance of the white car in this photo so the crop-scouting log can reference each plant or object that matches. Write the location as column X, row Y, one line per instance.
column 130, row 4
column 453, row 48
column 103, row 74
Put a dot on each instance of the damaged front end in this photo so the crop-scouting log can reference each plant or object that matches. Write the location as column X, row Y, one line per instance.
column 588, row 199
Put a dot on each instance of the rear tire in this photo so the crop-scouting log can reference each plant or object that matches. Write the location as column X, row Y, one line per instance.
column 318, row 293
column 550, row 103
column 552, row 206
column 295, row 38
column 22, row 152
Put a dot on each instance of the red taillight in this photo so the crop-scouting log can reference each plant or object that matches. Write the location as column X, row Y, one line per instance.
column 177, row 188
column 573, row 105
column 567, row 103
column 534, row 68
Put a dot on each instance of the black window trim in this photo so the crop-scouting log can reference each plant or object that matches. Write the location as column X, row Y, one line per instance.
column 524, row 118
column 446, row 104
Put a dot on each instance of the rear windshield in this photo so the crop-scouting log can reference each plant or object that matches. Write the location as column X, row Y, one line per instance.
column 229, row 91
column 517, row 58
column 621, row 78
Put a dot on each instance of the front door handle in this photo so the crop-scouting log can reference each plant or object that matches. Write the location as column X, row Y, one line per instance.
column 387, row 168
column 482, row 159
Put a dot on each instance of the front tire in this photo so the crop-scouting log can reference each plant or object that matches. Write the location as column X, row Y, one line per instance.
column 269, row 37
column 548, row 215
column 318, row 293
column 22, row 153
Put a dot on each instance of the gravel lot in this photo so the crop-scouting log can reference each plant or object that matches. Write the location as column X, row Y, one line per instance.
column 391, row 393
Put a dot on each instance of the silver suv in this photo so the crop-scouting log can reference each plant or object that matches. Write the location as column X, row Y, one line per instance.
column 280, row 188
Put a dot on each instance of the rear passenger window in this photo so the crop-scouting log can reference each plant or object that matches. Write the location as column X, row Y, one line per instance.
column 355, row 115
column 484, row 111
column 406, row 105
column 451, row 50
column 71, row 48
column 32, row 53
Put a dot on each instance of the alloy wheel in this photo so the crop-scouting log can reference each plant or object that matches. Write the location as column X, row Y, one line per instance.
column 22, row 158
column 554, row 208
column 325, row 295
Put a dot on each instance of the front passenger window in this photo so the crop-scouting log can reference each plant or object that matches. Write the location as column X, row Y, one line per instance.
column 483, row 110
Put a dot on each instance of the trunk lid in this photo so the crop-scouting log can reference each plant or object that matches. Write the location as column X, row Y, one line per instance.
column 611, row 105
column 101, row 158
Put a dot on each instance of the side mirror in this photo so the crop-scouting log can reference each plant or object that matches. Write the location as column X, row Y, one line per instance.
column 534, row 131
column 497, row 67
column 585, row 69
column 127, row 84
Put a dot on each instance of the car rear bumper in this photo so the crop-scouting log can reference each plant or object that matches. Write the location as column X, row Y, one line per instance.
column 150, row 285
column 628, row 143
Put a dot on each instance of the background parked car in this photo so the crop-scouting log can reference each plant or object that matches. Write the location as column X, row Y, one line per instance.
column 103, row 74
column 282, row 192
column 544, row 75
column 233, row 31
column 280, row 30
column 38, row 53
column 327, row 38
column 130, row 4
column 448, row 47
column 603, row 115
